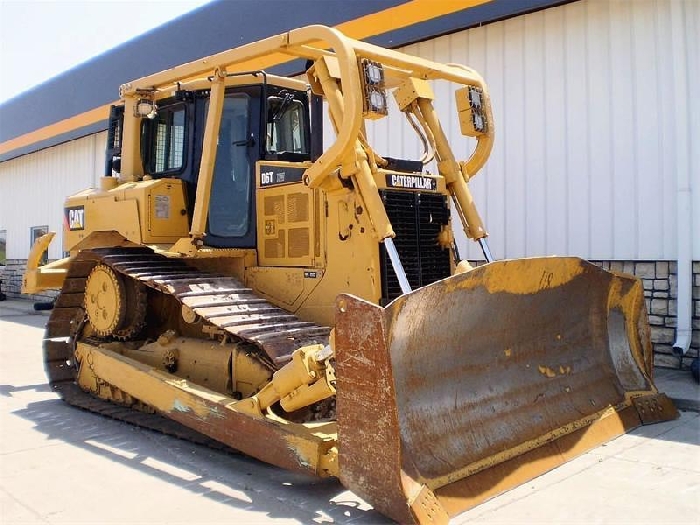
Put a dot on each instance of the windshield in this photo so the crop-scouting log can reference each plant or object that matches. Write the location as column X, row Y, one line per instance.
column 286, row 132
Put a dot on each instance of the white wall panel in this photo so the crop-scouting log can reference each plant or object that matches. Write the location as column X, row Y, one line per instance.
column 585, row 157
column 33, row 188
column 553, row 125
column 600, row 146
column 691, row 16
column 576, row 111
column 535, row 144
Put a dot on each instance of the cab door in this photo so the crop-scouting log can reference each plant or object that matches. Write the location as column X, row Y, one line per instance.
column 231, row 219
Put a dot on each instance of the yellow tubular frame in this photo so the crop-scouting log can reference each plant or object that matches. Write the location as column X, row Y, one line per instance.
column 206, row 168
column 314, row 42
column 450, row 169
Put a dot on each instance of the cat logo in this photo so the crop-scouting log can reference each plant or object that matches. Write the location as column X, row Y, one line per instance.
column 410, row 182
column 75, row 218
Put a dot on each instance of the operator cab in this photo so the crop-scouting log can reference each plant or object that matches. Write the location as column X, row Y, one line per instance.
column 258, row 122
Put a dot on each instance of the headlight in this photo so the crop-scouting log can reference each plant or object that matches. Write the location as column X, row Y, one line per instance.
column 471, row 108
column 145, row 108
column 374, row 89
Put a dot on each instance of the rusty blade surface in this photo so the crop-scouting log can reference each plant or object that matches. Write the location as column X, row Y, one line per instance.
column 513, row 362
column 495, row 368
column 369, row 451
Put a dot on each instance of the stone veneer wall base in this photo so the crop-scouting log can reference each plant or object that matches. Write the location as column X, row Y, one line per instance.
column 11, row 277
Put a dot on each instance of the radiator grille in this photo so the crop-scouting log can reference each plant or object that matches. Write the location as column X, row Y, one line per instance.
column 417, row 219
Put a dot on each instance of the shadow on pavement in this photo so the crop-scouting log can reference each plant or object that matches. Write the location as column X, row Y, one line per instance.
column 34, row 319
column 679, row 385
column 8, row 390
column 686, row 429
column 235, row 480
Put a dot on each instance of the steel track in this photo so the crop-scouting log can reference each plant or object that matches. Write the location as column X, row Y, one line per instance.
column 220, row 300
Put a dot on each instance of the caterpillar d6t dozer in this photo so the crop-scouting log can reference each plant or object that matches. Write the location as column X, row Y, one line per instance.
column 231, row 280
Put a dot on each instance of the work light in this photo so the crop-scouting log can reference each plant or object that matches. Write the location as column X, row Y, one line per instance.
column 374, row 89
column 145, row 108
column 470, row 105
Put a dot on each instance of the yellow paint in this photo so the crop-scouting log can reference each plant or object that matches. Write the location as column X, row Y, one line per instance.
column 131, row 377
column 531, row 276
column 168, row 394
column 283, row 212
column 206, row 165
column 546, row 371
column 222, row 368
column 521, row 276
column 550, row 372
column 50, row 276
column 323, row 459
column 404, row 15
column 140, row 219
column 103, row 295
column 448, row 166
column 606, row 413
column 64, row 126
column 599, row 432
column 343, row 226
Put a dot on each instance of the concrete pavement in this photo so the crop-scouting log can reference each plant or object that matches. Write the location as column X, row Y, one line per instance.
column 62, row 465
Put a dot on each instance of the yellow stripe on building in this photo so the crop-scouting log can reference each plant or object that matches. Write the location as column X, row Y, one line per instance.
column 63, row 126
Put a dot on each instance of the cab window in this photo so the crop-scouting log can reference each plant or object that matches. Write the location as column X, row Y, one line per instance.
column 164, row 141
column 286, row 130
column 231, row 193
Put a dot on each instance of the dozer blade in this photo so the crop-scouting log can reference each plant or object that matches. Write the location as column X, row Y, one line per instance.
column 479, row 382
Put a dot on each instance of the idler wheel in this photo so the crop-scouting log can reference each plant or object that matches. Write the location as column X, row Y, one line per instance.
column 115, row 306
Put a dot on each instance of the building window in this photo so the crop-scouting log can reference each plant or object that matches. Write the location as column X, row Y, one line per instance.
column 36, row 232
column 3, row 247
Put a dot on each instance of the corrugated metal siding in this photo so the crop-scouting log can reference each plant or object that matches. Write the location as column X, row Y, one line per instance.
column 585, row 103
column 33, row 188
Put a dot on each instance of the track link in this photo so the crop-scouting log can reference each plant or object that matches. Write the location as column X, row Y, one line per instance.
column 220, row 300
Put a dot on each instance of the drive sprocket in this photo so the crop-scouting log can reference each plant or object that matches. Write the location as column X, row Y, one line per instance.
column 114, row 304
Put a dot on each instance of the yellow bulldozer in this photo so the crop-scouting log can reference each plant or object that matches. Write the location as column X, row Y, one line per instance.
column 232, row 280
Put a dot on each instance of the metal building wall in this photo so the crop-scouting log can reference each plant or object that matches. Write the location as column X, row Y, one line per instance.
column 589, row 101
column 33, row 188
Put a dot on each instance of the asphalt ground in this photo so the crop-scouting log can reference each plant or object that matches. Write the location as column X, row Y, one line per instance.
column 61, row 465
